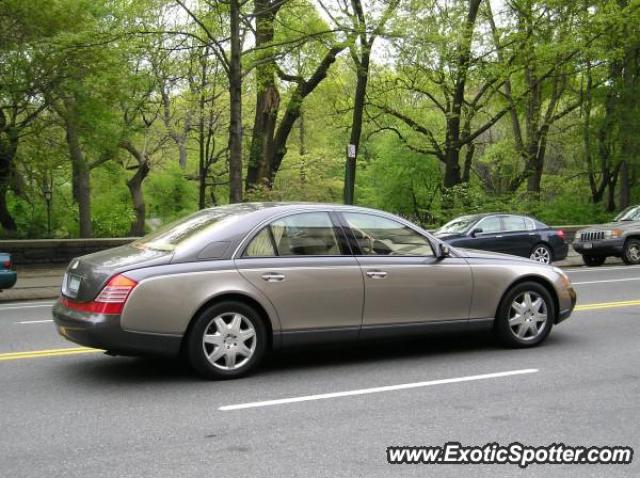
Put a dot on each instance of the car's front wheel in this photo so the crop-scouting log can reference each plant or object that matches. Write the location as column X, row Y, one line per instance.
column 525, row 316
column 593, row 261
column 226, row 340
column 631, row 253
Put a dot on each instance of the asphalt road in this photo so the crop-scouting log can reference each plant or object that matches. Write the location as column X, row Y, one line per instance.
column 91, row 415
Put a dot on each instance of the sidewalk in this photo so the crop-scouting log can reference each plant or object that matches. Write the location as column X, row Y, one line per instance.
column 34, row 283
column 41, row 282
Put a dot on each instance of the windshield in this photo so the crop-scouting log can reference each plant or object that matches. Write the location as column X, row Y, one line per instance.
column 458, row 225
column 170, row 236
column 630, row 214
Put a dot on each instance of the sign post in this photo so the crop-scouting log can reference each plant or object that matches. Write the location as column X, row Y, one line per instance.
column 350, row 174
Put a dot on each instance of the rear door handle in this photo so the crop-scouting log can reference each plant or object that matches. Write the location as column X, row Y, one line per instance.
column 273, row 277
column 499, row 236
column 376, row 274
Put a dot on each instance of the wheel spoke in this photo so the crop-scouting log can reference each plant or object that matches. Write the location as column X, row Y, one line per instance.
column 243, row 350
column 516, row 320
column 221, row 324
column 213, row 339
column 527, row 300
column 539, row 317
column 536, row 305
column 533, row 326
column 230, row 358
column 217, row 354
column 519, row 308
column 245, row 335
column 236, row 322
column 522, row 330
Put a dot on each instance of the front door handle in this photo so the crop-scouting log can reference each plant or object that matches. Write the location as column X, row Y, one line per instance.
column 273, row 277
column 376, row 274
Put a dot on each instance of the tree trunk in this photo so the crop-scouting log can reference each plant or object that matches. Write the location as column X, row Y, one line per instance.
column 8, row 148
column 362, row 75
column 453, row 145
column 267, row 97
column 625, row 193
column 235, row 107
column 81, row 174
column 135, row 188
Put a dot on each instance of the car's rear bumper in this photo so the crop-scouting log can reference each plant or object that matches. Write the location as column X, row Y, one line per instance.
column 103, row 331
column 561, row 251
column 605, row 247
column 7, row 279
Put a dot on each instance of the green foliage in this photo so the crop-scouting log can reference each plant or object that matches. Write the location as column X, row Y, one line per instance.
column 170, row 195
column 105, row 65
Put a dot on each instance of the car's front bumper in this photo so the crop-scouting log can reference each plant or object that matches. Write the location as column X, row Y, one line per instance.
column 8, row 279
column 104, row 331
column 567, row 309
column 602, row 247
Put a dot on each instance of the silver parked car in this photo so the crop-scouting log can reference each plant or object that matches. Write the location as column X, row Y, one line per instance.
column 226, row 285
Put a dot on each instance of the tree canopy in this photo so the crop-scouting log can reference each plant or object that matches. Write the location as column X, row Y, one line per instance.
column 119, row 115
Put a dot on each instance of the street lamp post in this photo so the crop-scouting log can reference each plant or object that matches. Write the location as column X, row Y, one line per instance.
column 46, row 190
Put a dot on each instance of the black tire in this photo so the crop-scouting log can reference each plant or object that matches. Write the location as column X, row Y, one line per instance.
column 538, row 251
column 502, row 326
column 195, row 348
column 593, row 261
column 631, row 254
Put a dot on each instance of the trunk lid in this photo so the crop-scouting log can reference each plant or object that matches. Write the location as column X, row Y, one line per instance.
column 87, row 275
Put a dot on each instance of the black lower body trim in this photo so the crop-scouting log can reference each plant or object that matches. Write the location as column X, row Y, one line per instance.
column 294, row 338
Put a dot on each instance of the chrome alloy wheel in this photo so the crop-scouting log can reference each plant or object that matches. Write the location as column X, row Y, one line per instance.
column 528, row 316
column 633, row 253
column 541, row 254
column 229, row 341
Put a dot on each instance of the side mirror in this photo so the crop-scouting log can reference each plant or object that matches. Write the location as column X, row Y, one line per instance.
column 443, row 251
column 476, row 231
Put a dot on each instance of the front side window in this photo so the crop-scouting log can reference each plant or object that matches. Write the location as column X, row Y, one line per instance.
column 381, row 236
column 490, row 225
column 306, row 234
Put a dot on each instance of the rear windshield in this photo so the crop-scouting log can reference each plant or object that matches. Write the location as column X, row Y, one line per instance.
column 170, row 236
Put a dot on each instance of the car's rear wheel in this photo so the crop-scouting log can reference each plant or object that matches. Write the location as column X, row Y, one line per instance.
column 541, row 253
column 593, row 261
column 631, row 253
column 226, row 340
column 525, row 316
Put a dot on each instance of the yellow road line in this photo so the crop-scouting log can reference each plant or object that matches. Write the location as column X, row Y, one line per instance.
column 46, row 353
column 608, row 305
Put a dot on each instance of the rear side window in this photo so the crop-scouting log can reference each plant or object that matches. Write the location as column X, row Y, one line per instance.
column 306, row 234
column 514, row 223
column 381, row 236
column 261, row 245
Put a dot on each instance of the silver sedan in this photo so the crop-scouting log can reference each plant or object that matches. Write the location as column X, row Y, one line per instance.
column 226, row 285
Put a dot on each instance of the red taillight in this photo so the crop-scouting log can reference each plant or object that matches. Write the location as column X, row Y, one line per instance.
column 560, row 233
column 6, row 264
column 111, row 299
